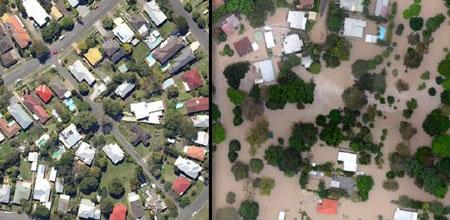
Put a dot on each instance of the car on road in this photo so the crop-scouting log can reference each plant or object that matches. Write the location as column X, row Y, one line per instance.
column 18, row 81
column 61, row 37
column 54, row 52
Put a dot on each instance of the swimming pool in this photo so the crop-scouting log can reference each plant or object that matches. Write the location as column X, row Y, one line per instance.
column 70, row 104
column 382, row 33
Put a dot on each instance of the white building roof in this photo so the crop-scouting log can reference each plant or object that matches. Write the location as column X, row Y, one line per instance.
column 404, row 215
column 33, row 156
column 5, row 190
column 297, row 19
column 307, row 61
column 200, row 121
column 381, row 7
column 80, row 72
column 202, row 138
column 86, row 209
column 188, row 167
column 73, row 3
column 168, row 83
column 114, row 152
column 282, row 215
column 270, row 42
column 40, row 171
column 36, row 11
column 154, row 12
column 123, row 32
column 349, row 160
column 59, row 187
column 265, row 68
column 41, row 190
column 52, row 176
column 85, row 153
column 124, row 89
column 370, row 38
column 70, row 136
column 292, row 44
column 143, row 109
column 352, row 5
column 34, row 166
column 354, row 27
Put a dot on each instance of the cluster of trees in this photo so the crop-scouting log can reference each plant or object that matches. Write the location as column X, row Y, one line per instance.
column 235, row 72
column 53, row 29
column 256, row 11
column 218, row 131
column 361, row 66
column 258, row 134
column 364, row 184
column 436, row 208
column 288, row 160
column 177, row 124
column 336, row 16
column 233, row 148
column 337, row 49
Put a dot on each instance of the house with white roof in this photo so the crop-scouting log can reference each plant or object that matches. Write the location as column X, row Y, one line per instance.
column 352, row 5
column 59, row 187
column 200, row 121
column 87, row 210
column 401, row 214
column 35, row 11
column 114, row 152
column 53, row 173
column 81, row 73
column 266, row 71
column 123, row 32
column 33, row 156
column 349, row 161
column 202, row 138
column 154, row 12
column 292, row 44
column 268, row 37
column 70, row 136
column 148, row 112
column 354, row 27
column 5, row 190
column 381, row 8
column 42, row 187
column 124, row 89
column 297, row 19
column 188, row 167
column 22, row 191
column 73, row 3
column 85, row 153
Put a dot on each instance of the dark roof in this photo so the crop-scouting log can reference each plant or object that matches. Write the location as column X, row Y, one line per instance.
column 172, row 46
column 2, row 31
column 5, row 45
column 197, row 105
column 118, row 56
column 140, row 136
column 243, row 46
column 193, row 79
column 110, row 47
column 8, row 60
column 136, row 209
column 186, row 57
column 305, row 4
column 346, row 183
column 137, row 21
column 57, row 87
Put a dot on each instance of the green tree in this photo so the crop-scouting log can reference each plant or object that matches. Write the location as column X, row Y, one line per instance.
column 332, row 136
column 231, row 197
column 436, row 123
column 236, row 96
column 433, row 23
column 266, row 185
column 41, row 212
column 416, row 23
column 40, row 51
column 88, row 185
column 273, row 155
column 4, row 6
column 66, row 23
column 116, row 189
column 354, row 98
column 218, row 133
column 181, row 24
column 86, row 122
column 51, row 32
column 304, row 136
column 235, row 72
column 249, row 210
column 106, row 206
column 108, row 23
column 240, row 171
column 441, row 145
column 444, row 66
column 258, row 133
column 83, row 88
column 113, row 108
column 290, row 162
column 445, row 97
column 364, row 184
column 256, row 165
column 413, row 58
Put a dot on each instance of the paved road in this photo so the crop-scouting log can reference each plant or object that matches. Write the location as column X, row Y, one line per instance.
column 201, row 35
column 13, row 216
column 196, row 205
column 32, row 65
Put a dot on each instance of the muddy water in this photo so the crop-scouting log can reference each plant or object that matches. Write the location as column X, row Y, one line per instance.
column 330, row 83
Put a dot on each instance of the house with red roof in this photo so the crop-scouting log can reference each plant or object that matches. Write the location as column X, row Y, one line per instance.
column 9, row 129
column 33, row 105
column 243, row 46
column 17, row 29
column 44, row 92
column 119, row 212
column 180, row 185
column 197, row 105
column 327, row 206
column 195, row 152
column 192, row 80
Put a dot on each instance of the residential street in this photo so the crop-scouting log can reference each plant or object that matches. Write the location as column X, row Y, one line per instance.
column 31, row 66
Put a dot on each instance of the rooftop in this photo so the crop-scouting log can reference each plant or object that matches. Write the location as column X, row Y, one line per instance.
column 114, row 152
column 327, row 206
column 154, row 12
column 85, row 153
column 20, row 115
column 192, row 80
column 199, row 104
column 297, row 19
column 180, row 185
column 35, row 10
column 94, row 56
column 188, row 167
column 243, row 46
column 81, row 73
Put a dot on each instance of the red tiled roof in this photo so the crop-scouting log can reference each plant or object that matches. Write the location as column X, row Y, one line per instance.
column 119, row 212
column 35, row 107
column 243, row 46
column 193, row 79
column 181, row 184
column 197, row 153
column 19, row 33
column 305, row 4
column 327, row 206
column 44, row 93
column 228, row 28
column 9, row 131
column 197, row 105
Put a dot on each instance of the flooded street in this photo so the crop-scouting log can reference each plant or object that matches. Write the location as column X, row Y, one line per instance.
column 330, row 83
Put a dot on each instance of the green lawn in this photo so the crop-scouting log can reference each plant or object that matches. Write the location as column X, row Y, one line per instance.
column 123, row 171
column 157, row 138
column 140, row 51
column 167, row 29
column 5, row 149
column 168, row 173
column 25, row 169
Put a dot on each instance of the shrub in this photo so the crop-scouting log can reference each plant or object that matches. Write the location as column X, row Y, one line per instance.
column 235, row 72
column 364, row 184
column 218, row 133
column 234, row 145
column 416, row 23
column 399, row 29
column 231, row 197
column 440, row 145
column 407, row 130
column 249, row 210
column 240, row 171
column 390, row 185
column 315, row 68
column 256, row 165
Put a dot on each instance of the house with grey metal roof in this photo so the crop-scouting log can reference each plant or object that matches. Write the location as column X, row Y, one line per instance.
column 81, row 73
column 186, row 57
column 342, row 182
column 124, row 89
column 20, row 115
column 154, row 12
column 5, row 190
column 70, row 136
column 63, row 203
column 22, row 191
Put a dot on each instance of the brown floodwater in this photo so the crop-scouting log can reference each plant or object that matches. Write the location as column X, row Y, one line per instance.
column 287, row 194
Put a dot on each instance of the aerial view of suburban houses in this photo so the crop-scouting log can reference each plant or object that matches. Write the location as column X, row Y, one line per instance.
column 330, row 109
column 104, row 109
